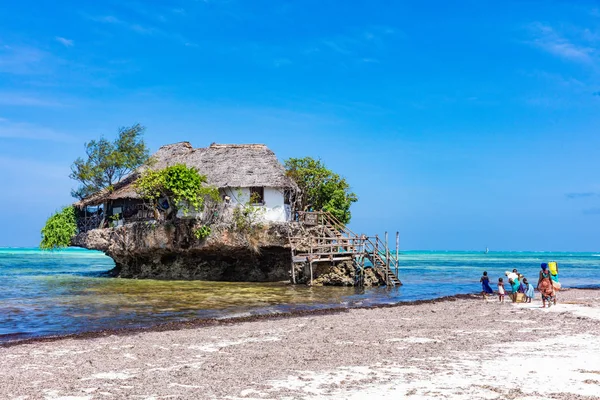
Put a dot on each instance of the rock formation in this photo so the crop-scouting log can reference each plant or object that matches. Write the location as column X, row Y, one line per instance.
column 147, row 250
column 171, row 251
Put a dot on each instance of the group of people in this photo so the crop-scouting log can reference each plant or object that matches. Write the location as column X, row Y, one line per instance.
column 521, row 290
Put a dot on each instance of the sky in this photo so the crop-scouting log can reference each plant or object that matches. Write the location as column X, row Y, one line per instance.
column 460, row 125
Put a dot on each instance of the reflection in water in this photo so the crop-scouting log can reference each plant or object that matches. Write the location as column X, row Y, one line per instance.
column 45, row 293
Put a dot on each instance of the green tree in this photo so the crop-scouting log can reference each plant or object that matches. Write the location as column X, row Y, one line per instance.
column 108, row 162
column 183, row 187
column 59, row 229
column 322, row 189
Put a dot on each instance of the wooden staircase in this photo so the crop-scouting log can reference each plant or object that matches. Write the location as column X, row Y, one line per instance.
column 326, row 239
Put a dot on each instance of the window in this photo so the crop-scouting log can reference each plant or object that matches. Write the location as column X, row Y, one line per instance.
column 287, row 197
column 257, row 195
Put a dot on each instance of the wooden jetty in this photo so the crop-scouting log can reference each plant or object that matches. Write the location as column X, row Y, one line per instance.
column 327, row 240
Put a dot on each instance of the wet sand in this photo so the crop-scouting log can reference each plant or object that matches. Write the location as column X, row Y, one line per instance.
column 461, row 348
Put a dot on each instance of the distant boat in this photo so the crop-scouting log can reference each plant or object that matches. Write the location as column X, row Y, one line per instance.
column 487, row 250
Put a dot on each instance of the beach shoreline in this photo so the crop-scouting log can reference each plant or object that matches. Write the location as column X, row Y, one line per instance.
column 463, row 348
column 196, row 323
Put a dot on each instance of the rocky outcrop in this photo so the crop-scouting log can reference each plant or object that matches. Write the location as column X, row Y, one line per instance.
column 147, row 250
column 340, row 274
column 172, row 251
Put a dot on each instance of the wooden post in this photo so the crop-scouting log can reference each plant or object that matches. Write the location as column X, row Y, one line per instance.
column 293, row 264
column 397, row 250
column 387, row 258
column 310, row 262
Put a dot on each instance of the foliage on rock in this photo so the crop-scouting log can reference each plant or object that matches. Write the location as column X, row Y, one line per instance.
column 60, row 228
column 203, row 232
column 183, row 187
column 248, row 222
column 247, row 218
column 108, row 162
column 322, row 189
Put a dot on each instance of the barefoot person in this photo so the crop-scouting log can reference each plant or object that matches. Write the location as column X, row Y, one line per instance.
column 485, row 285
column 530, row 293
column 545, row 286
column 501, row 291
column 553, row 268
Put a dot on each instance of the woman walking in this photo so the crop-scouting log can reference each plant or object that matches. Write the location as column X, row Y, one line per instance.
column 485, row 285
column 553, row 268
column 545, row 286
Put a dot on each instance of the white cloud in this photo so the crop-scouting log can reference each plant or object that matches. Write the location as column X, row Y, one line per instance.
column 280, row 62
column 107, row 19
column 557, row 79
column 22, row 60
column 65, row 42
column 27, row 131
column 34, row 167
column 340, row 45
column 110, row 19
column 19, row 99
column 139, row 28
column 368, row 41
column 142, row 29
column 548, row 39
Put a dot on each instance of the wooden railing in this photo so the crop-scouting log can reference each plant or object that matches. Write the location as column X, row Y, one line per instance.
column 330, row 240
column 138, row 212
column 378, row 253
column 323, row 218
column 318, row 246
column 85, row 224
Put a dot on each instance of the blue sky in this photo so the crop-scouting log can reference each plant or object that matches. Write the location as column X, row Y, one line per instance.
column 463, row 126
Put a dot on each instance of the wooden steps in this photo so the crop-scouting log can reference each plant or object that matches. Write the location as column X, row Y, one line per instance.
column 331, row 241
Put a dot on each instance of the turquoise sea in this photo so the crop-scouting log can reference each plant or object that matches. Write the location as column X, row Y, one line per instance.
column 54, row 293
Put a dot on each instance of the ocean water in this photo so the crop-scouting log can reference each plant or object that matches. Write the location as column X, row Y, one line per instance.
column 54, row 293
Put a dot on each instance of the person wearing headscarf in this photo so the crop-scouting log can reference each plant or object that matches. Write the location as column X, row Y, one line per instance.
column 512, row 275
column 513, row 281
column 545, row 286
column 553, row 268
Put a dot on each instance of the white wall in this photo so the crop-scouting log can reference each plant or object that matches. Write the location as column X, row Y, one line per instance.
column 274, row 208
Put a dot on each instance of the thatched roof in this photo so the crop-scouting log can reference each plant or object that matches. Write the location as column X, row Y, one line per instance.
column 225, row 166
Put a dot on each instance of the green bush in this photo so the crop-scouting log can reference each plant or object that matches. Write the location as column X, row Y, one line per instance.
column 246, row 217
column 59, row 229
column 203, row 232
column 182, row 186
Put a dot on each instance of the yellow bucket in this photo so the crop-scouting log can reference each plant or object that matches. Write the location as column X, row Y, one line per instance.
column 553, row 267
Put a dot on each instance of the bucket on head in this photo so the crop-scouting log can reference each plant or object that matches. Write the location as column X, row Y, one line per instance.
column 553, row 267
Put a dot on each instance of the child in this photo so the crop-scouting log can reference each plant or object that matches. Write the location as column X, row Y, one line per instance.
column 501, row 291
column 485, row 285
column 530, row 293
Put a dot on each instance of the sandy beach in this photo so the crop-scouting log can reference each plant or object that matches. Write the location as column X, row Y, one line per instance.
column 460, row 348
